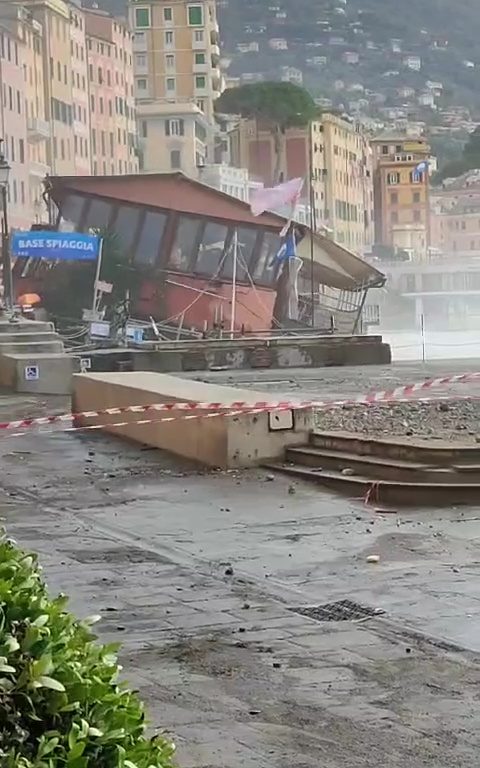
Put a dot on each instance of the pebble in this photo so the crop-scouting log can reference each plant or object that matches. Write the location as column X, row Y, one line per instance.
column 451, row 421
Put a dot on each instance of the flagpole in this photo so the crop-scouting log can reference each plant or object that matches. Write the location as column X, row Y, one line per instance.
column 234, row 284
column 312, row 224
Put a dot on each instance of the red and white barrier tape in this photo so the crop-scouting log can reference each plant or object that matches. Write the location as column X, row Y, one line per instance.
column 225, row 409
column 59, row 426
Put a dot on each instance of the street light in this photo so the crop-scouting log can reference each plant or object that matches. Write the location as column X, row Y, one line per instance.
column 6, row 259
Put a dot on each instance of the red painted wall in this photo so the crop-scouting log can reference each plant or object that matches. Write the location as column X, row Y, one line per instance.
column 297, row 157
column 254, row 308
column 260, row 159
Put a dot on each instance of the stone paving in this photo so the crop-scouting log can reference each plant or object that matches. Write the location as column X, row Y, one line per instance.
column 197, row 575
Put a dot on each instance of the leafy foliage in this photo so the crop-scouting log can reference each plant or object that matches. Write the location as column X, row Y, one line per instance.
column 278, row 104
column 60, row 700
column 469, row 160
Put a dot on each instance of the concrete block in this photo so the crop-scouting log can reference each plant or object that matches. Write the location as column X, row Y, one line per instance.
column 25, row 326
column 25, row 336
column 31, row 347
column 54, row 373
column 222, row 441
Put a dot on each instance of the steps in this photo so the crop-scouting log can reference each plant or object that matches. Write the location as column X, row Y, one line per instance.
column 389, row 472
column 33, row 358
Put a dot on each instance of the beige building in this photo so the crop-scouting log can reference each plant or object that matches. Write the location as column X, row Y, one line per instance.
column 173, row 137
column 340, row 196
column 54, row 16
column 79, row 84
column 176, row 63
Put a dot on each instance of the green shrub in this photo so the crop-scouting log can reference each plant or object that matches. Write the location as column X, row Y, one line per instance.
column 61, row 704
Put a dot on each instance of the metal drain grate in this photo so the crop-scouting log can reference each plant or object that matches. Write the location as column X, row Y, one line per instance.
column 342, row 610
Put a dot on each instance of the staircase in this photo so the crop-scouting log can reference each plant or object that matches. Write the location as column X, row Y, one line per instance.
column 33, row 358
column 389, row 472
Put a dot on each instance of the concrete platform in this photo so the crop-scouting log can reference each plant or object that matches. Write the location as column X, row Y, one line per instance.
column 55, row 372
column 284, row 352
column 31, row 347
column 210, row 438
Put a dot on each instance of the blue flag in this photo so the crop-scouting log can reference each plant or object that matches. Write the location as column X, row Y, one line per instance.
column 288, row 249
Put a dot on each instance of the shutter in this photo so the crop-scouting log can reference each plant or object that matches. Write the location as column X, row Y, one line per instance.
column 167, row 127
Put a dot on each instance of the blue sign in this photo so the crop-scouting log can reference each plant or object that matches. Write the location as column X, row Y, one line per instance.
column 56, row 246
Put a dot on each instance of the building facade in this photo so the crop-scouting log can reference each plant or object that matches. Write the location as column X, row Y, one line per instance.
column 334, row 154
column 56, row 61
column 176, row 62
column 14, row 122
column 401, row 194
column 111, row 100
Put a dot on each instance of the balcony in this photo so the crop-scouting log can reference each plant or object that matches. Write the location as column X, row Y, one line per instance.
column 38, row 170
column 38, row 129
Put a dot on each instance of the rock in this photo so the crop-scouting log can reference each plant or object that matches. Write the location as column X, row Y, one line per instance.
column 408, row 650
column 242, row 630
column 276, row 665
column 292, row 489
column 120, row 628
column 269, row 478
column 373, row 559
column 348, row 472
column 443, row 407
column 229, row 571
column 245, row 606
column 254, row 712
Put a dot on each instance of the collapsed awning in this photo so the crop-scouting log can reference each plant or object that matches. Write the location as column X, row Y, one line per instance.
column 335, row 266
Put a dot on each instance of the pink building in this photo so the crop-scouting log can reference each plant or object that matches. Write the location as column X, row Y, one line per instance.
column 14, row 127
column 112, row 111
column 79, row 75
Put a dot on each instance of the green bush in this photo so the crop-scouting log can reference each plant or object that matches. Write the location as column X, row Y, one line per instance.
column 61, row 704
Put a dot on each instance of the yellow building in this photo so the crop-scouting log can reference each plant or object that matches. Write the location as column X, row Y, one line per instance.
column 345, row 162
column 176, row 62
column 401, row 193
column 341, row 192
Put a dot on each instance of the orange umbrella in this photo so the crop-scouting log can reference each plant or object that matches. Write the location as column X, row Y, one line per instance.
column 29, row 299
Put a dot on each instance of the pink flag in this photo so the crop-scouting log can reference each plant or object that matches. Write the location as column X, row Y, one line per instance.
column 271, row 198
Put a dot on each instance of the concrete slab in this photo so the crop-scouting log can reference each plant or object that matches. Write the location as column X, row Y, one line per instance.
column 55, row 372
column 31, row 346
column 210, row 437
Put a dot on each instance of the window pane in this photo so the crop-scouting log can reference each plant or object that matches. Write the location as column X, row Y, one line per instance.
column 72, row 209
column 246, row 239
column 98, row 215
column 142, row 17
column 195, row 15
column 185, row 242
column 211, row 249
column 267, row 265
column 125, row 226
column 149, row 241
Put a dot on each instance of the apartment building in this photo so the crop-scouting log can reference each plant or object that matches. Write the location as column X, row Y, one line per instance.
column 401, row 194
column 14, row 120
column 334, row 154
column 176, row 63
column 79, row 89
column 111, row 95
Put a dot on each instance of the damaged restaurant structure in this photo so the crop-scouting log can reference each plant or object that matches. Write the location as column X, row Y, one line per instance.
column 190, row 242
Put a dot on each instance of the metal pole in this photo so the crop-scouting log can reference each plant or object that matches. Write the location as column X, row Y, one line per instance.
column 234, row 284
column 97, row 275
column 312, row 224
column 6, row 259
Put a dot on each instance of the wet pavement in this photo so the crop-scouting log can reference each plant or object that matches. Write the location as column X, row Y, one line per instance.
column 199, row 574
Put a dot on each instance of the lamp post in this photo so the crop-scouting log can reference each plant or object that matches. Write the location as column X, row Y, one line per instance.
column 6, row 260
